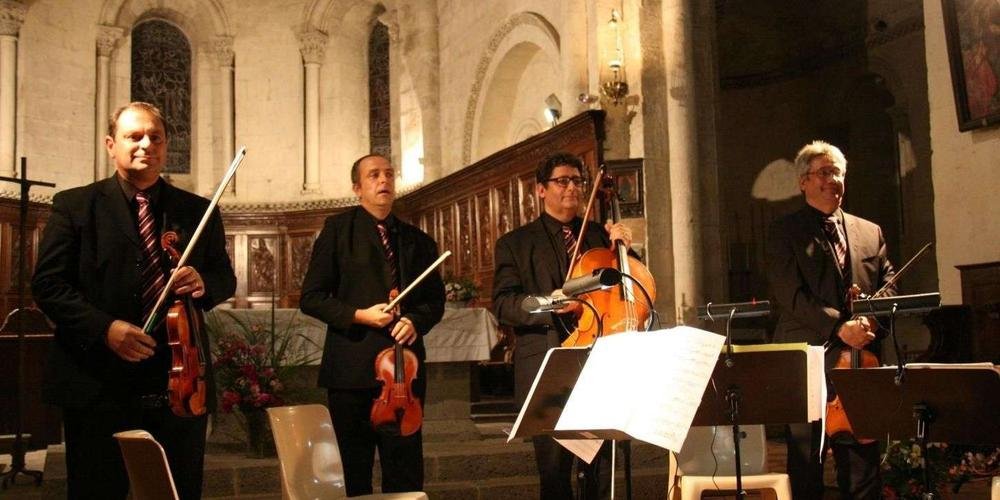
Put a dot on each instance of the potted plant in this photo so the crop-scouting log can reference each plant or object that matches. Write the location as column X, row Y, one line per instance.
column 459, row 292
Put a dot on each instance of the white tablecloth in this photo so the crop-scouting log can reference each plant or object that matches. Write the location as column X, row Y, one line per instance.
column 466, row 334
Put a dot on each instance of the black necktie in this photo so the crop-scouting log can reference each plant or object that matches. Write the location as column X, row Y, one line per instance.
column 832, row 230
column 390, row 255
column 569, row 239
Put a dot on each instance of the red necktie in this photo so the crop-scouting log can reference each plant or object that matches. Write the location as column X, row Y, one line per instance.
column 152, row 272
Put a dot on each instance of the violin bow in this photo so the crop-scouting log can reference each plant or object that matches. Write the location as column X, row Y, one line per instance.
column 417, row 281
column 583, row 226
column 151, row 320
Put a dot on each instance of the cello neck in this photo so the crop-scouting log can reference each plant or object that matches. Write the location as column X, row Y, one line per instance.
column 627, row 295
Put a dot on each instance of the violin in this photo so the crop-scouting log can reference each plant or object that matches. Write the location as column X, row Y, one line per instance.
column 396, row 409
column 186, row 385
column 186, row 379
column 618, row 308
column 837, row 423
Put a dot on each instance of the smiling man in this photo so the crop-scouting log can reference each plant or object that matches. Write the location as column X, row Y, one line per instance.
column 359, row 257
column 814, row 256
column 99, row 273
column 532, row 260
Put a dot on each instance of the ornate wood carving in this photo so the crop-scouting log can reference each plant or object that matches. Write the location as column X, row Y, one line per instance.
column 471, row 208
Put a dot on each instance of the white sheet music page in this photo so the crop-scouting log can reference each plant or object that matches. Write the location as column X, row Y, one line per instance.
column 646, row 384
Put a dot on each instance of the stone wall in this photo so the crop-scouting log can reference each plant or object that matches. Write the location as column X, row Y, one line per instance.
column 965, row 172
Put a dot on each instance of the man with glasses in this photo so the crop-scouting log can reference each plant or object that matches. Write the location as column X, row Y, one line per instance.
column 532, row 260
column 813, row 257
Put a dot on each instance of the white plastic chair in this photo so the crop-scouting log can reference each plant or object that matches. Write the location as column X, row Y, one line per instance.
column 146, row 463
column 700, row 453
column 310, row 462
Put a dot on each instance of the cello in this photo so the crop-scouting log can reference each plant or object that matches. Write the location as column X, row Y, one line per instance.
column 618, row 308
column 186, row 385
column 397, row 410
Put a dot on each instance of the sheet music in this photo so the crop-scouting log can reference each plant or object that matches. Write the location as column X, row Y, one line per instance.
column 646, row 384
column 515, row 430
column 815, row 373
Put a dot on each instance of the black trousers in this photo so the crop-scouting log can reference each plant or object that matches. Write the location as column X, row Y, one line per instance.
column 401, row 457
column 94, row 465
column 555, row 471
column 857, row 465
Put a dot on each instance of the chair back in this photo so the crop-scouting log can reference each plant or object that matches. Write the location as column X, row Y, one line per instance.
column 146, row 463
column 307, row 452
column 705, row 447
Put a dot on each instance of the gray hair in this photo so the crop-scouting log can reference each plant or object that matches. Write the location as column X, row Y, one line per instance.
column 819, row 148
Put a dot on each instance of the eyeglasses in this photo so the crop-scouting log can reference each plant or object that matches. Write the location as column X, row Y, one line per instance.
column 827, row 173
column 563, row 182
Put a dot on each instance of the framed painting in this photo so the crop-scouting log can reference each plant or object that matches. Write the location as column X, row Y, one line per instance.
column 627, row 175
column 973, row 35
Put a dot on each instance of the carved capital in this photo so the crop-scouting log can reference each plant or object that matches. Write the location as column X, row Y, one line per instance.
column 312, row 44
column 107, row 38
column 11, row 17
column 222, row 48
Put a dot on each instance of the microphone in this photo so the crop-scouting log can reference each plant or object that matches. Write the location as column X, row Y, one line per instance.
column 542, row 303
column 599, row 279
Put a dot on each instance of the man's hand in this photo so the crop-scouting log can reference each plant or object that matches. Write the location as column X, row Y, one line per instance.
column 404, row 332
column 188, row 281
column 856, row 333
column 128, row 341
column 619, row 232
column 373, row 316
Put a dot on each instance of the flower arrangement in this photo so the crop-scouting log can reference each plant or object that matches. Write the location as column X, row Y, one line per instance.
column 252, row 360
column 460, row 289
column 904, row 463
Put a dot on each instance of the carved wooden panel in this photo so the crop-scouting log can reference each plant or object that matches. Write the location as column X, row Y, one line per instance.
column 262, row 264
column 38, row 214
column 469, row 209
column 299, row 252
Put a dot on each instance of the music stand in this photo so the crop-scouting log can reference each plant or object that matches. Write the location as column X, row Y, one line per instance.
column 769, row 386
column 877, row 407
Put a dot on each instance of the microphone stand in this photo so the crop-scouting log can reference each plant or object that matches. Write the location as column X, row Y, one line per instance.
column 733, row 397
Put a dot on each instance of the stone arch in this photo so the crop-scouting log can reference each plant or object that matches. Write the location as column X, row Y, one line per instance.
column 189, row 15
column 519, row 38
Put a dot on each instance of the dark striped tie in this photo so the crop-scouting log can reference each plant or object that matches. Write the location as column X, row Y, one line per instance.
column 569, row 239
column 390, row 255
column 152, row 271
column 832, row 230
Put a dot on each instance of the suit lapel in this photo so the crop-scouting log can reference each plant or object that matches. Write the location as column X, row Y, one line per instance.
column 116, row 209
column 855, row 241
column 404, row 255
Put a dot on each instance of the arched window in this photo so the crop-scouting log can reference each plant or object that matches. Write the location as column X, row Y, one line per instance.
column 379, row 112
column 161, row 75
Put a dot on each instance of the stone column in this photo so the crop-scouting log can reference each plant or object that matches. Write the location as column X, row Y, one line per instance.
column 422, row 56
column 225, row 57
column 312, row 44
column 685, row 186
column 11, row 19
column 107, row 38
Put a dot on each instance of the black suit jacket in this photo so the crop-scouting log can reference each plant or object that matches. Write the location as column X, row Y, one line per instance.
column 87, row 276
column 348, row 271
column 531, row 261
column 808, row 287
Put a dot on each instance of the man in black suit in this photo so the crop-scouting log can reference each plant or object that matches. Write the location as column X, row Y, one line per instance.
column 94, row 279
column 533, row 260
column 360, row 256
column 813, row 257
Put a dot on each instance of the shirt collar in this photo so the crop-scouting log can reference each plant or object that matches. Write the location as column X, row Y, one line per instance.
column 153, row 192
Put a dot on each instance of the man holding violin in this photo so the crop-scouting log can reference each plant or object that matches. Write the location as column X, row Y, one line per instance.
column 533, row 260
column 814, row 256
column 99, row 268
column 361, row 255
